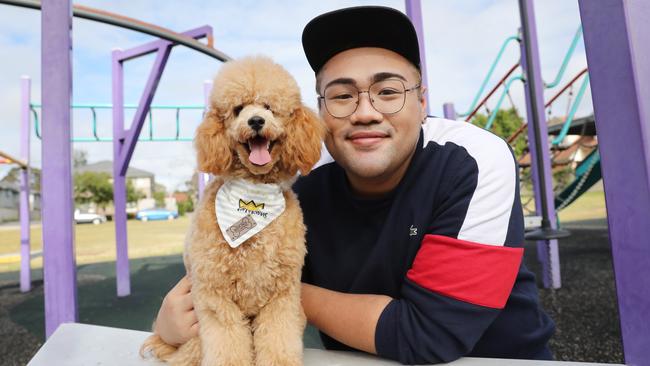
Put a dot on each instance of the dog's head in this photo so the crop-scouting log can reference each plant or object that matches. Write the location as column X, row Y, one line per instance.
column 256, row 126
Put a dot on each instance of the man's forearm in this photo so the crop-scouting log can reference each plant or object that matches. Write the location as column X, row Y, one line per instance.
column 349, row 318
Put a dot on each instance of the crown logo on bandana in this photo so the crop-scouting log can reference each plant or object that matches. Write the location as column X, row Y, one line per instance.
column 250, row 205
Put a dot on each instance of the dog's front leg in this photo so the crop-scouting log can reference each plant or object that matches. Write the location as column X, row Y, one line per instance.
column 278, row 330
column 226, row 338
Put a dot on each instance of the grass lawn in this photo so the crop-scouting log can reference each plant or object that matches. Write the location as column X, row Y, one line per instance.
column 96, row 243
column 590, row 206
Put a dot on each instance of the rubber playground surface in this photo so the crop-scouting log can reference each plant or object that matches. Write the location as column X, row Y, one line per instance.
column 584, row 309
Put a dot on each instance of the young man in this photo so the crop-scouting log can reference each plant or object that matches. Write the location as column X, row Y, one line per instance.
column 415, row 228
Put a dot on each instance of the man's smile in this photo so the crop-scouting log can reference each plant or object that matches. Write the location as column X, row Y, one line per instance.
column 367, row 138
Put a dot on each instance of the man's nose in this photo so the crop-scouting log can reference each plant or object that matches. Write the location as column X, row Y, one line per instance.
column 256, row 123
column 365, row 112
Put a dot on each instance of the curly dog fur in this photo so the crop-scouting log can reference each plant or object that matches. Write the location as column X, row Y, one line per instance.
column 247, row 299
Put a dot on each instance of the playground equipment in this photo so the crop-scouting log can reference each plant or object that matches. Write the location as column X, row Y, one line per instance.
column 24, row 163
column 619, row 78
column 58, row 236
column 617, row 42
column 548, row 233
column 122, row 269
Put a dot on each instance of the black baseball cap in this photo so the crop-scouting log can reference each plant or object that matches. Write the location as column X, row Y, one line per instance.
column 361, row 26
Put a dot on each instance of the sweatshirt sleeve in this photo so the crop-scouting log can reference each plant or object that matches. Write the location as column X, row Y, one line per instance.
column 464, row 270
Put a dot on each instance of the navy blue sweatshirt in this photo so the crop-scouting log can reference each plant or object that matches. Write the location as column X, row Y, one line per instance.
column 445, row 244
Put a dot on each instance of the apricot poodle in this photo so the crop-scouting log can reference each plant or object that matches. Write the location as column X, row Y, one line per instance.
column 255, row 138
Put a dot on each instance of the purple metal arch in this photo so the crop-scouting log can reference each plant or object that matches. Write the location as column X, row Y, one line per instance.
column 25, row 246
column 547, row 251
column 414, row 11
column 124, row 141
column 60, row 278
column 617, row 43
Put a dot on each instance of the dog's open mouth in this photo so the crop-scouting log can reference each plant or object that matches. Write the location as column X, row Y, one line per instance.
column 259, row 150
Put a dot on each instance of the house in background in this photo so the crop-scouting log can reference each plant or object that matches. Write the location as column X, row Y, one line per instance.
column 142, row 181
column 10, row 198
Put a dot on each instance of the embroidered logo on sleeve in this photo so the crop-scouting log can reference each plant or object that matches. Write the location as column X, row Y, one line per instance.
column 413, row 231
column 243, row 209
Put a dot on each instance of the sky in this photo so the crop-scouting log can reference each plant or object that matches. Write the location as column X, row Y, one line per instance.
column 461, row 39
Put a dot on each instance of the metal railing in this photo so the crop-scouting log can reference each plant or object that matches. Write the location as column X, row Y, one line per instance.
column 472, row 106
column 96, row 138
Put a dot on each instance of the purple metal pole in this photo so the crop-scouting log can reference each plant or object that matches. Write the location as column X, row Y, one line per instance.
column 547, row 249
column 123, row 148
column 119, row 180
column 449, row 111
column 617, row 43
column 25, row 247
column 124, row 141
column 131, row 137
column 200, row 176
column 60, row 279
column 414, row 11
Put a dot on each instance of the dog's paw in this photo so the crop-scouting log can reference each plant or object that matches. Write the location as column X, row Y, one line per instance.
column 278, row 359
column 154, row 346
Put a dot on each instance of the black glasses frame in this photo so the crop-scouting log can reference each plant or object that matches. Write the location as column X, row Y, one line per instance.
column 416, row 86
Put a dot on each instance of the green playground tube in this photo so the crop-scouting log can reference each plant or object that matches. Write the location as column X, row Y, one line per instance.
column 565, row 62
column 489, row 74
column 572, row 113
column 493, row 115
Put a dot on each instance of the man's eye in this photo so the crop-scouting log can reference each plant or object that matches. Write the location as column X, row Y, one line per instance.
column 341, row 96
column 237, row 109
column 388, row 91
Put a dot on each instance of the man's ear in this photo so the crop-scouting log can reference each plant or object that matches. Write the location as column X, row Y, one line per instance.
column 423, row 102
column 212, row 145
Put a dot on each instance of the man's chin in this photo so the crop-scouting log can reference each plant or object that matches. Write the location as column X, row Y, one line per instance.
column 365, row 168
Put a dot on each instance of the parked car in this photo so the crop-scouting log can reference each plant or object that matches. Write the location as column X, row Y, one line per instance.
column 156, row 214
column 88, row 218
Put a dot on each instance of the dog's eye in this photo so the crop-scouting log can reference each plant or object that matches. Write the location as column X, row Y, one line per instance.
column 267, row 106
column 237, row 109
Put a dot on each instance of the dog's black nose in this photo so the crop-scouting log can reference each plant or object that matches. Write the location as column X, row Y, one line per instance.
column 256, row 123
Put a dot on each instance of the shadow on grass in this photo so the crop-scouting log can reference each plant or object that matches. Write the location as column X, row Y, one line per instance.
column 151, row 279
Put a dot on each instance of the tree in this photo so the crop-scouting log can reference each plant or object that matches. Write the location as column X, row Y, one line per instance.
column 506, row 122
column 79, row 158
column 132, row 195
column 159, row 194
column 13, row 176
column 93, row 187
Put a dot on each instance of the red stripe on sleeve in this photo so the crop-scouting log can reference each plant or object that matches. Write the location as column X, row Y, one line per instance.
column 476, row 273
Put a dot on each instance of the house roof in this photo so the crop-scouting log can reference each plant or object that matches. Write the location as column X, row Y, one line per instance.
column 9, row 186
column 106, row 166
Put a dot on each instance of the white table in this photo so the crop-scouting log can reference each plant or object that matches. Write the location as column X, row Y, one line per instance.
column 77, row 344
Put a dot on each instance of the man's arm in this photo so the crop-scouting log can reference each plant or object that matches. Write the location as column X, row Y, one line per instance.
column 349, row 318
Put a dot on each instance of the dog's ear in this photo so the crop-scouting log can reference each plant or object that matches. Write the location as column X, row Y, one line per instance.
column 212, row 145
column 305, row 132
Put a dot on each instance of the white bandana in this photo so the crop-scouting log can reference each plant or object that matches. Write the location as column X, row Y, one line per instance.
column 243, row 208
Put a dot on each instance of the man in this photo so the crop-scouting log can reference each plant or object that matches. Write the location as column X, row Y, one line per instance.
column 415, row 229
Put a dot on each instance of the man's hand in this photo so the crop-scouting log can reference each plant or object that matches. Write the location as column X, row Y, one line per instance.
column 176, row 322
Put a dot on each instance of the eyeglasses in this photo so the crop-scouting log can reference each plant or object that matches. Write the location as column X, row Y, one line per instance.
column 386, row 97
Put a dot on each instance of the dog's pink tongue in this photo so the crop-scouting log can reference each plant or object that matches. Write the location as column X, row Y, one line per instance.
column 259, row 151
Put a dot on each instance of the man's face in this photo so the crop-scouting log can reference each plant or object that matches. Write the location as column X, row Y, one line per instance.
column 374, row 148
